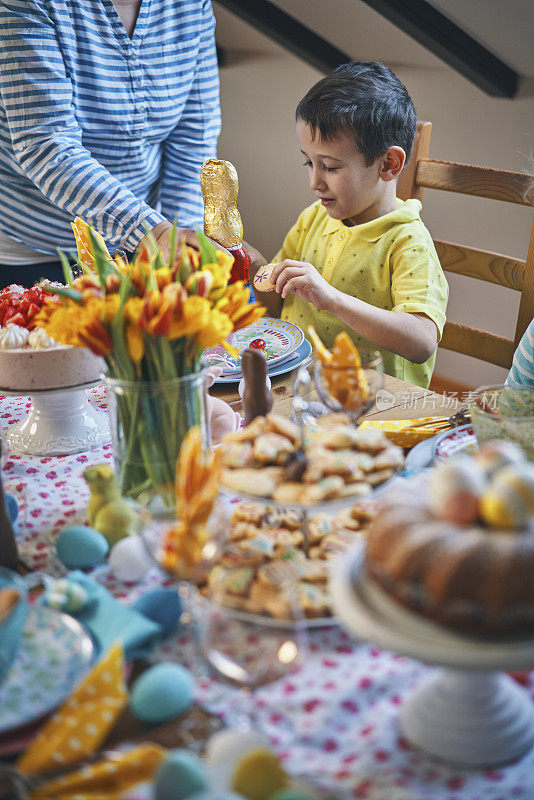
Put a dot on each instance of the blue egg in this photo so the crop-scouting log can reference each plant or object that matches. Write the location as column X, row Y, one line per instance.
column 162, row 692
column 162, row 606
column 180, row 777
column 80, row 547
column 12, row 507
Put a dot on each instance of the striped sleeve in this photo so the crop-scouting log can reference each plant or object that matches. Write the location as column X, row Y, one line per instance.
column 46, row 138
column 195, row 137
column 522, row 371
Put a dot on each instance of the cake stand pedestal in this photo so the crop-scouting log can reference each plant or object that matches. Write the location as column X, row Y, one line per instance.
column 466, row 712
column 60, row 422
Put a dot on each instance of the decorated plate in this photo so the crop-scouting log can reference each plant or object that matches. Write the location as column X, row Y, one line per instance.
column 275, row 337
column 455, row 442
column 291, row 362
column 55, row 653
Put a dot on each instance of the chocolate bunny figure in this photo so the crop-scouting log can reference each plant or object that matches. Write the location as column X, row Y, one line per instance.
column 257, row 399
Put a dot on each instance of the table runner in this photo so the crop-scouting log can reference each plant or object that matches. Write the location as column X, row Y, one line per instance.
column 344, row 702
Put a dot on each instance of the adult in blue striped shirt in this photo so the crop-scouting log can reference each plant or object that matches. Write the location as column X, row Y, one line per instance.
column 108, row 109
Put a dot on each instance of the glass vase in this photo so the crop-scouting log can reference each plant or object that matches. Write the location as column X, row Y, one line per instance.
column 149, row 421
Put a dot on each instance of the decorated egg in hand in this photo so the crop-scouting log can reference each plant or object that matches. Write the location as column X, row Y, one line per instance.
column 455, row 488
column 509, row 500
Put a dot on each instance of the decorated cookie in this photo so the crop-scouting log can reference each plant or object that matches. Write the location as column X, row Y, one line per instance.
column 272, row 448
column 262, row 278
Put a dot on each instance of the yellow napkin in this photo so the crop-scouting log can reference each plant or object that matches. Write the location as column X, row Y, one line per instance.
column 83, row 722
column 403, row 432
column 85, row 251
column 78, row 729
column 105, row 780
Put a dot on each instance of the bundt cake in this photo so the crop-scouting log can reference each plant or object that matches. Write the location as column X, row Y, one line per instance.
column 472, row 573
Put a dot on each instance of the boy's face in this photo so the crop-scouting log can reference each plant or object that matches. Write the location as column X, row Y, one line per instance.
column 340, row 178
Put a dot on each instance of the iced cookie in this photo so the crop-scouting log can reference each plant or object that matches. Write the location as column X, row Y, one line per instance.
column 262, row 278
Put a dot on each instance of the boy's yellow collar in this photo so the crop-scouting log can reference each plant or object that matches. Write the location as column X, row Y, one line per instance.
column 372, row 231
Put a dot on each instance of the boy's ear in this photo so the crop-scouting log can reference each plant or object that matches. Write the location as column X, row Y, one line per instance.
column 393, row 161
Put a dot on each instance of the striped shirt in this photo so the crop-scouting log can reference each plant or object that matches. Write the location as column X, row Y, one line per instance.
column 522, row 371
column 97, row 125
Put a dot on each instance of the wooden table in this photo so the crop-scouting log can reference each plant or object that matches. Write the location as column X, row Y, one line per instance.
column 398, row 400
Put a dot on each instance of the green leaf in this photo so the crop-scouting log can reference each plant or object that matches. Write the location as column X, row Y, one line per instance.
column 184, row 267
column 63, row 291
column 121, row 354
column 173, row 240
column 102, row 260
column 208, row 251
column 66, row 266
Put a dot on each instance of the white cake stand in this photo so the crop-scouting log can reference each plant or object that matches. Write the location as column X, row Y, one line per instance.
column 468, row 712
column 60, row 422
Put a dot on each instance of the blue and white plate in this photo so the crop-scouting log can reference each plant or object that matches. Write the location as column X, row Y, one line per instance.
column 55, row 653
column 290, row 363
column 275, row 337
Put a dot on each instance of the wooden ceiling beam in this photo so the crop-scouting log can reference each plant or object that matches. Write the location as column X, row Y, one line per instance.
column 446, row 40
column 417, row 18
column 288, row 32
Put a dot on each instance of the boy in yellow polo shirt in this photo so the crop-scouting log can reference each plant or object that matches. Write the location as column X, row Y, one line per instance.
column 358, row 259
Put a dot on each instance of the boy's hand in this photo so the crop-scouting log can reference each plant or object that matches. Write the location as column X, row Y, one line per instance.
column 299, row 277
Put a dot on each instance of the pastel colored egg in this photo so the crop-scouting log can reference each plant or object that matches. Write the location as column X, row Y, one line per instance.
column 220, row 794
column 493, row 456
column 181, row 776
column 162, row 606
column 162, row 692
column 509, row 500
column 224, row 751
column 258, row 774
column 228, row 745
column 80, row 547
column 129, row 559
column 12, row 506
column 455, row 488
column 289, row 794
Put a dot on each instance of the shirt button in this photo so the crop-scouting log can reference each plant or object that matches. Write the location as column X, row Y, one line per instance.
column 341, row 236
column 329, row 262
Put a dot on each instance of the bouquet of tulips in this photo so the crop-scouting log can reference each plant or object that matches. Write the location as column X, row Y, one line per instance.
column 150, row 320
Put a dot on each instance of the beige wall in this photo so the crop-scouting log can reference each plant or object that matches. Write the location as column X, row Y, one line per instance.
column 260, row 89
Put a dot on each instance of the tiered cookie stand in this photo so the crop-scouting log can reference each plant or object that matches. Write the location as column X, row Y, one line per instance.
column 60, row 422
column 467, row 712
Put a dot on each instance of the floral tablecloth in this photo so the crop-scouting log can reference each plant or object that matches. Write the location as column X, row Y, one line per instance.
column 343, row 704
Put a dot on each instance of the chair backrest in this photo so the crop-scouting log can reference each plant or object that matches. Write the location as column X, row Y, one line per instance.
column 511, row 187
column 406, row 185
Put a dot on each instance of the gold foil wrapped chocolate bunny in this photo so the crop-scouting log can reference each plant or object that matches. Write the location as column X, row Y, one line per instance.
column 220, row 185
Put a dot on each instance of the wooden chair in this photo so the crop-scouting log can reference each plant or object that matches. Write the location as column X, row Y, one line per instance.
column 406, row 185
column 511, row 187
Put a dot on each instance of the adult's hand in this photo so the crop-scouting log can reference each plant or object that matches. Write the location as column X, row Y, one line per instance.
column 162, row 235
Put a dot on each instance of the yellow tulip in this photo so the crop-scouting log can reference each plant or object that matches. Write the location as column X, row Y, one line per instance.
column 216, row 330
column 135, row 342
column 194, row 316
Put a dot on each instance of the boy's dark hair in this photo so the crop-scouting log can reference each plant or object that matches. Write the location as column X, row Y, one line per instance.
column 366, row 100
